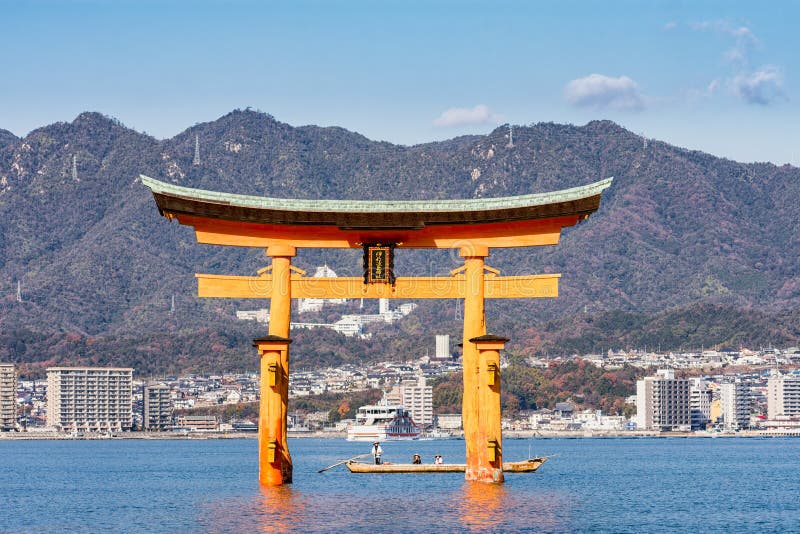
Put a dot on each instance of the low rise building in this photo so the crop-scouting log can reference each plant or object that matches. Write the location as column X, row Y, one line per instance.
column 197, row 423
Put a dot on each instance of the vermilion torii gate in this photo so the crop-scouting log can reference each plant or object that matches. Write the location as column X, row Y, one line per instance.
column 379, row 227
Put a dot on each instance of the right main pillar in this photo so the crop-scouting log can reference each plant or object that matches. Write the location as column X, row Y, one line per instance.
column 482, row 428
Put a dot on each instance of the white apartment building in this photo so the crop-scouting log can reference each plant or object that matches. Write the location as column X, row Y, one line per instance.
column 443, row 347
column 315, row 305
column 783, row 397
column 662, row 402
column 8, row 396
column 157, row 410
column 734, row 400
column 699, row 403
column 260, row 315
column 89, row 398
column 416, row 396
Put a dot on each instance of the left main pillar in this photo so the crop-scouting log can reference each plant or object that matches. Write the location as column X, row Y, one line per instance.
column 274, row 460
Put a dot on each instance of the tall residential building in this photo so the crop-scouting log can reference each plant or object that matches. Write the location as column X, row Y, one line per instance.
column 662, row 402
column 699, row 403
column 157, row 410
column 8, row 396
column 734, row 400
column 89, row 398
column 783, row 396
column 416, row 396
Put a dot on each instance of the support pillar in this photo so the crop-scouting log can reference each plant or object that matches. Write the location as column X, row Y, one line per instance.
column 275, row 462
column 489, row 348
column 475, row 437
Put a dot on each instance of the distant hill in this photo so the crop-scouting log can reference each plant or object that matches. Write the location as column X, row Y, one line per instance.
column 679, row 233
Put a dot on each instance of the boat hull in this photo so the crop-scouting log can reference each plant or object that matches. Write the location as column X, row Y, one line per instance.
column 524, row 466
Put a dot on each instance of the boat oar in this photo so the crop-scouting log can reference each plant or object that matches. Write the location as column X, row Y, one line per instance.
column 344, row 462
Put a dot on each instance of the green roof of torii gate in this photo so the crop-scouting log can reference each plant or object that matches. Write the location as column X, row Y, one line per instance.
column 175, row 199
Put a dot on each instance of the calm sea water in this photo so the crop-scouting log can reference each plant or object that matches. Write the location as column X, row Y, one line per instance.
column 598, row 485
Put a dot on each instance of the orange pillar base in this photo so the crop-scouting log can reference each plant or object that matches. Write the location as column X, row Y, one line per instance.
column 274, row 460
column 490, row 421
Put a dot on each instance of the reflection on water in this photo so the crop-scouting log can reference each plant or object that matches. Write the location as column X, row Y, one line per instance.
column 481, row 505
column 464, row 506
column 495, row 507
column 272, row 509
column 283, row 508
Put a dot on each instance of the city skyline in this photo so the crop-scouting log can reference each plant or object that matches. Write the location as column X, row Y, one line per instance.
column 717, row 77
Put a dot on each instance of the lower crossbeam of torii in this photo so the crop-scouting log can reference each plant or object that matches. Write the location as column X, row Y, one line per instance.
column 380, row 228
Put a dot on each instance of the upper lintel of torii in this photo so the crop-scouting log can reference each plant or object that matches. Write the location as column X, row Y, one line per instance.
column 244, row 220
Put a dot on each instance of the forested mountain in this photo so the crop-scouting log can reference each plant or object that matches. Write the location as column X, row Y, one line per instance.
column 681, row 237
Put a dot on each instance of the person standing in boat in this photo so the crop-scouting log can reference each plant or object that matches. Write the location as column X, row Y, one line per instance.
column 377, row 452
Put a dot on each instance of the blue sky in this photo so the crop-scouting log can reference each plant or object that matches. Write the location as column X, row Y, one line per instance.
column 715, row 76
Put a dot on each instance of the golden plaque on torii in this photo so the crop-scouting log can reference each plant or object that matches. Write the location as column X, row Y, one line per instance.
column 472, row 226
column 379, row 264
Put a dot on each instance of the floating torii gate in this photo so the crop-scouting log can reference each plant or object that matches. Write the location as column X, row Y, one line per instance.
column 473, row 227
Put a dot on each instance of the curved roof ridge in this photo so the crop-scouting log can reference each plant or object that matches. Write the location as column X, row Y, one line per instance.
column 377, row 206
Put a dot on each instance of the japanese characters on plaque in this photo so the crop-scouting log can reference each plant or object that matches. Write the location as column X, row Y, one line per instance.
column 378, row 263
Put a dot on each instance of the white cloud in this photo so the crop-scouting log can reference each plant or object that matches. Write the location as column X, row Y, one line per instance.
column 761, row 87
column 599, row 91
column 670, row 26
column 707, row 92
column 480, row 114
column 744, row 38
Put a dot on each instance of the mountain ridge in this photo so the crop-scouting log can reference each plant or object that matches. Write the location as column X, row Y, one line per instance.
column 677, row 229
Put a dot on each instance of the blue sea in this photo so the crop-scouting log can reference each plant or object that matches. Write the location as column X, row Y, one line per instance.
column 590, row 485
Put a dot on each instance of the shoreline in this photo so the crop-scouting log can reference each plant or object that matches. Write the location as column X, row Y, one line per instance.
column 525, row 434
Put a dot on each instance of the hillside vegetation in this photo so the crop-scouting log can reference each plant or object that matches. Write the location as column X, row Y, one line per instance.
column 686, row 249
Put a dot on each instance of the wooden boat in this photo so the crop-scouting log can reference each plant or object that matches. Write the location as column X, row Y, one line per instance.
column 524, row 466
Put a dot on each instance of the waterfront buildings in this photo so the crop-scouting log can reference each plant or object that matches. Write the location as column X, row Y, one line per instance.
column 416, row 396
column 734, row 400
column 8, row 396
column 662, row 402
column 89, row 398
column 157, row 407
column 699, row 403
column 783, row 397
column 198, row 423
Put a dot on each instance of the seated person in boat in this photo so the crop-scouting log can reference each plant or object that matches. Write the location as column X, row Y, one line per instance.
column 417, row 459
column 437, row 459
